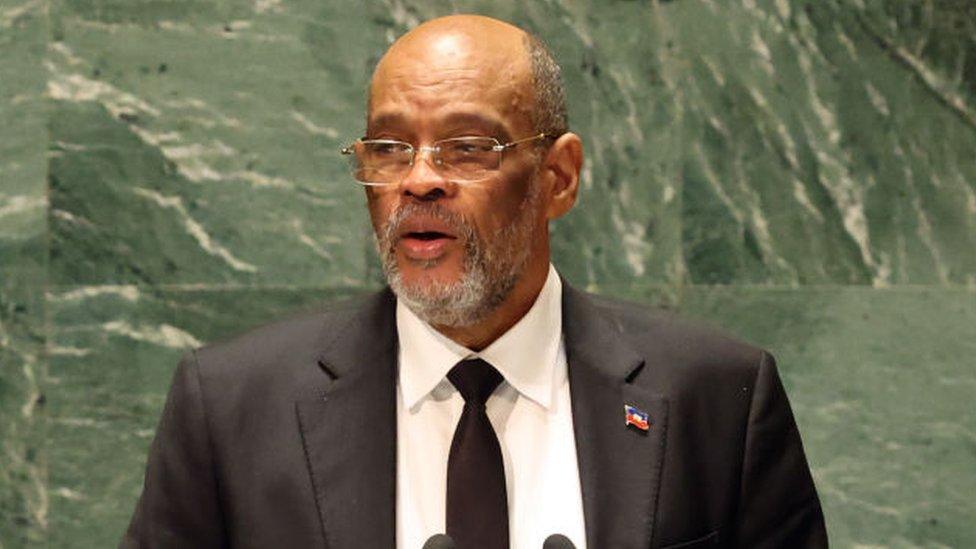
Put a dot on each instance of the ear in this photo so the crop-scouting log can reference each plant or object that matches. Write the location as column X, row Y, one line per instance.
column 563, row 163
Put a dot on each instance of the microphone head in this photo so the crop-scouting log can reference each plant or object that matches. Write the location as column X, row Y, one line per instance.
column 558, row 541
column 441, row 541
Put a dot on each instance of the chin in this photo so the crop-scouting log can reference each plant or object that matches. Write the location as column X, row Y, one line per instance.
column 438, row 284
column 454, row 298
column 443, row 270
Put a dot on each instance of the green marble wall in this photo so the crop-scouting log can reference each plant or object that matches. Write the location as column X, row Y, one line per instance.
column 801, row 172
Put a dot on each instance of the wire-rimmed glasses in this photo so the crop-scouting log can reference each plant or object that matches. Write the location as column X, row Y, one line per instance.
column 381, row 162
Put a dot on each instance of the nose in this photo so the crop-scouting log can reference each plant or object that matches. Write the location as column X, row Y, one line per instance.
column 423, row 182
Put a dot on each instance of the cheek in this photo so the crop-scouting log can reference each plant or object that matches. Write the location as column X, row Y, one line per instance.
column 380, row 205
column 513, row 193
column 498, row 212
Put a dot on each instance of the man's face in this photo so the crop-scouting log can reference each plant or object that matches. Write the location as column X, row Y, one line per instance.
column 454, row 250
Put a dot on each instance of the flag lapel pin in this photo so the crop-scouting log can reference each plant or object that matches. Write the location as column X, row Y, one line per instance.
column 636, row 417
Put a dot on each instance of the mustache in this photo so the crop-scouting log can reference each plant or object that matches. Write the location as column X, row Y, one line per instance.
column 455, row 221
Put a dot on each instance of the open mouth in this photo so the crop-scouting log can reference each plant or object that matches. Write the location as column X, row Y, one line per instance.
column 426, row 236
column 425, row 245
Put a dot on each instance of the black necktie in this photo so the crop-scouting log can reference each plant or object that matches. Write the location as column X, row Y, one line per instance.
column 477, row 504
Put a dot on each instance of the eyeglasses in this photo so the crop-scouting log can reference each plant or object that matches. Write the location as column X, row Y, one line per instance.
column 380, row 162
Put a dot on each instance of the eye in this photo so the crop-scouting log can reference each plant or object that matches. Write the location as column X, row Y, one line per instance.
column 387, row 148
column 469, row 146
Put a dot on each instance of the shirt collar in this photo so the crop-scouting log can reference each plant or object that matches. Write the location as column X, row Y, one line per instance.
column 525, row 354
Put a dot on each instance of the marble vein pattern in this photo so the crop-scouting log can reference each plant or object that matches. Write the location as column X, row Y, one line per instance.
column 882, row 384
column 24, row 505
column 799, row 172
column 773, row 143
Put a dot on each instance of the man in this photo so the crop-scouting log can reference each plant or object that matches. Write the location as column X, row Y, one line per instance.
column 482, row 396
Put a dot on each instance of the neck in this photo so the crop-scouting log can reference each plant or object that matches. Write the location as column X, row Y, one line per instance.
column 518, row 302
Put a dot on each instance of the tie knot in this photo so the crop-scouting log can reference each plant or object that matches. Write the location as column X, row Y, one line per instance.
column 475, row 379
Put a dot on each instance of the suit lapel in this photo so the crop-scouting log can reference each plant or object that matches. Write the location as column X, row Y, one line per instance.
column 620, row 465
column 349, row 430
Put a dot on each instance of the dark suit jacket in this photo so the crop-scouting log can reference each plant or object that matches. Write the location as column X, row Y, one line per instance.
column 286, row 437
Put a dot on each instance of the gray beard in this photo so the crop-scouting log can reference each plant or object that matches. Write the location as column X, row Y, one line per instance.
column 492, row 265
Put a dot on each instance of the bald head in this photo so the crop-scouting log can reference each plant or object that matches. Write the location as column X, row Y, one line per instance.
column 453, row 31
column 512, row 65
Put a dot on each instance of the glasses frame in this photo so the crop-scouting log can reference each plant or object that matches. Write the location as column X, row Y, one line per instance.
column 434, row 148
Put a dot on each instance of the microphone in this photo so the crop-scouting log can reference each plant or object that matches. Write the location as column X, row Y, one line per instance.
column 442, row 541
column 557, row 541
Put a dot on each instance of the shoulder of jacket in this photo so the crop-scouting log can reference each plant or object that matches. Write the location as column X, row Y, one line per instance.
column 675, row 338
column 299, row 337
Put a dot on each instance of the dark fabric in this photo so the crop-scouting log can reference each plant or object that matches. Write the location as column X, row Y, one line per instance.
column 286, row 437
column 477, row 500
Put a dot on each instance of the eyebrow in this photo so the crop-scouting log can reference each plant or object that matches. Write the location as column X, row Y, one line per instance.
column 386, row 120
column 451, row 123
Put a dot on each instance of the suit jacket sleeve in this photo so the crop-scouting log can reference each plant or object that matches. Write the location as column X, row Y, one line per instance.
column 179, row 504
column 778, row 504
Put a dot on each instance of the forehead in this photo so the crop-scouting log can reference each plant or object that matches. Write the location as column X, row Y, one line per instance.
column 452, row 78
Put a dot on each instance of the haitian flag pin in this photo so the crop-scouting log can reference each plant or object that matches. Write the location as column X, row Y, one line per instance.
column 636, row 417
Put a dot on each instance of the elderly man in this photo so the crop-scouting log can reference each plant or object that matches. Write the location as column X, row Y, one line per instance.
column 480, row 395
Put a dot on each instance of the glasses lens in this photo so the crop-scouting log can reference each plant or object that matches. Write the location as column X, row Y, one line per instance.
column 467, row 158
column 379, row 161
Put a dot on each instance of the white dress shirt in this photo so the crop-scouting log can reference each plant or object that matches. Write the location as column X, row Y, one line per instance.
column 530, row 412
